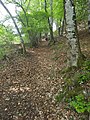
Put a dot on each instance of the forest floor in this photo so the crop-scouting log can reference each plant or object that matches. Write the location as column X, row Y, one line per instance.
column 29, row 84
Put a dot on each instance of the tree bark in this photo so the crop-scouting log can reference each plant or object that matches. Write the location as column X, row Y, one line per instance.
column 22, row 41
column 74, row 54
column 50, row 24
column 62, row 27
column 51, row 10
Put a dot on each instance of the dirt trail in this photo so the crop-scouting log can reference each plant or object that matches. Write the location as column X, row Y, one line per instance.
column 28, row 85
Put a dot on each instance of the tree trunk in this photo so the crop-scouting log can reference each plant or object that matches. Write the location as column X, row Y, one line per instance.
column 51, row 21
column 62, row 27
column 74, row 52
column 51, row 10
column 89, row 116
column 50, row 24
column 22, row 41
column 59, row 29
column 89, row 15
column 63, row 21
column 51, row 32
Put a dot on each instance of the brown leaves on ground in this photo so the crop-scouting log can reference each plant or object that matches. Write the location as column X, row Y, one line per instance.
column 84, row 37
column 29, row 84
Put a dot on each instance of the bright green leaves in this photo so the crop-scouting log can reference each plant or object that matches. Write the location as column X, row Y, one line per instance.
column 6, row 35
column 84, row 75
column 6, row 39
column 58, row 10
column 80, row 104
column 82, row 78
column 37, row 23
column 86, row 65
column 81, row 9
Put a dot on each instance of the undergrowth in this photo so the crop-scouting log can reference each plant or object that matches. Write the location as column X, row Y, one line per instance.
column 75, row 89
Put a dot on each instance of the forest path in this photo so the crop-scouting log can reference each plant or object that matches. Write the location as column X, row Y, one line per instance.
column 28, row 86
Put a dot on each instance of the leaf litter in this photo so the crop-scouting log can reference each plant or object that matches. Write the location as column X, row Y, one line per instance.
column 29, row 84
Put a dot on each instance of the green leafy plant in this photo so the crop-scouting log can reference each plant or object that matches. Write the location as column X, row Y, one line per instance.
column 86, row 65
column 73, row 89
column 84, row 75
column 7, row 38
column 80, row 104
column 82, row 78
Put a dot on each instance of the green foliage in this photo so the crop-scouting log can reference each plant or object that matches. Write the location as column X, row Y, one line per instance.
column 37, row 18
column 84, row 74
column 80, row 104
column 6, row 35
column 6, row 39
column 81, row 9
column 4, row 50
column 58, row 10
column 86, row 65
column 37, row 24
column 73, row 87
column 82, row 78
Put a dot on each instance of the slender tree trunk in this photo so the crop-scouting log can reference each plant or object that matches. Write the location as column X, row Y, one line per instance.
column 63, row 21
column 74, row 52
column 89, row 116
column 40, row 36
column 51, row 21
column 50, row 25
column 22, row 41
column 59, row 29
column 62, row 27
column 51, row 10
column 89, row 15
column 51, row 32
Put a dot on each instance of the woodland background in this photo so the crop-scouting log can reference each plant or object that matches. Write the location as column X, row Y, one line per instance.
column 45, row 60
